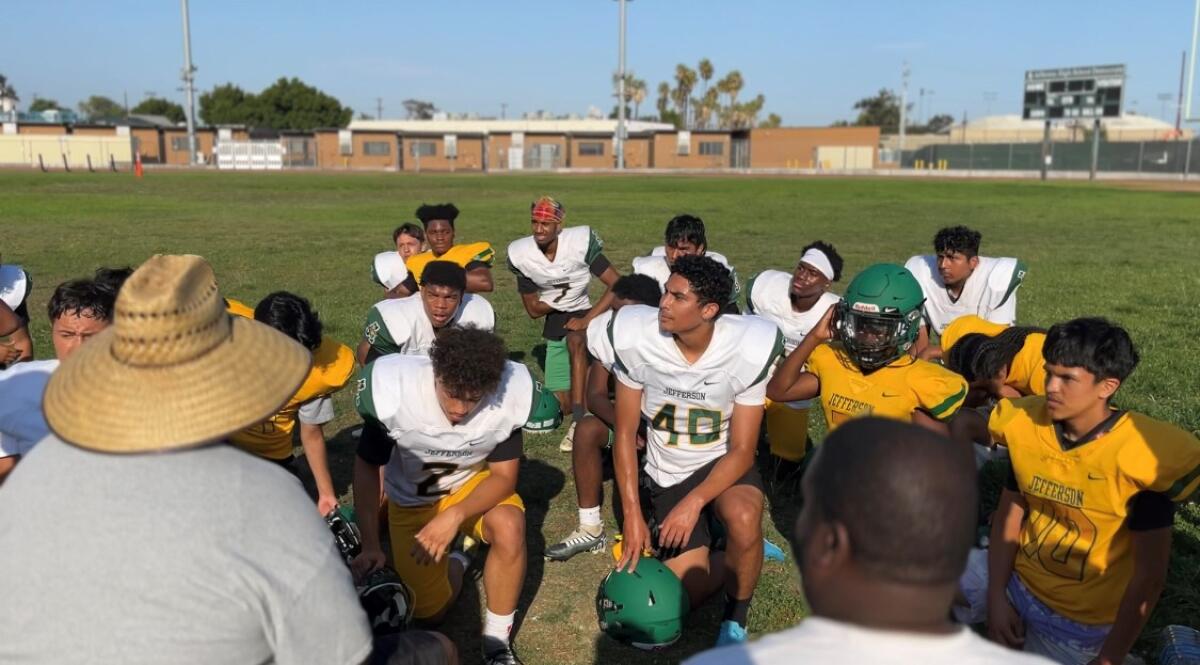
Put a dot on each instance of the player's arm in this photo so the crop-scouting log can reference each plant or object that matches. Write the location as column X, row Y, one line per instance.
column 15, row 344
column 479, row 277
column 596, row 398
column 790, row 381
column 602, row 269
column 528, row 290
column 677, row 528
column 374, row 450
column 930, row 423
column 312, row 416
column 377, row 339
column 1150, row 522
column 434, row 539
column 1004, row 624
column 635, row 534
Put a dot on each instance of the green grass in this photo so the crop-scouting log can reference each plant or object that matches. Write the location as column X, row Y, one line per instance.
column 1128, row 255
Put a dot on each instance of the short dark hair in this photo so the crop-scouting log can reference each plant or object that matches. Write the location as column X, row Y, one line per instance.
column 429, row 212
column 827, row 249
column 958, row 240
column 408, row 228
column 642, row 289
column 112, row 278
column 906, row 496
column 82, row 297
column 444, row 273
column 291, row 315
column 468, row 361
column 685, row 228
column 999, row 351
column 1095, row 344
column 710, row 281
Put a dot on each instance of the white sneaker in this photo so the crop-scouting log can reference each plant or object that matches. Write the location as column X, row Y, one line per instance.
column 568, row 441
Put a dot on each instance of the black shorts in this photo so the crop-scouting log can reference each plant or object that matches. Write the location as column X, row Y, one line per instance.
column 554, row 328
column 657, row 503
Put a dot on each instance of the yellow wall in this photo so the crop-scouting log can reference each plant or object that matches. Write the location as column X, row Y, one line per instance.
column 25, row 150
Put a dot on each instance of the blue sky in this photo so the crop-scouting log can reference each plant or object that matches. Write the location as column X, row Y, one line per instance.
column 811, row 60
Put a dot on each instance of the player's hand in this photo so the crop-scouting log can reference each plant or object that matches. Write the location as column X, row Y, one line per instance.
column 1005, row 625
column 577, row 325
column 326, row 504
column 433, row 541
column 676, row 530
column 635, row 539
column 9, row 353
column 367, row 562
column 823, row 331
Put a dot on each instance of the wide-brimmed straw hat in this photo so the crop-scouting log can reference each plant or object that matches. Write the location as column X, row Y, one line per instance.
column 174, row 370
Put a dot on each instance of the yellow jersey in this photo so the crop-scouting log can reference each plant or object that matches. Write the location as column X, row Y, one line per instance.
column 460, row 254
column 1027, row 373
column 893, row 391
column 1075, row 551
column 333, row 365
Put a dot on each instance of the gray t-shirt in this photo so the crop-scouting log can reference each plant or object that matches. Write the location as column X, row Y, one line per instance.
column 207, row 555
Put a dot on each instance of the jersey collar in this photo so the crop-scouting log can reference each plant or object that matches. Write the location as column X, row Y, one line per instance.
column 1096, row 432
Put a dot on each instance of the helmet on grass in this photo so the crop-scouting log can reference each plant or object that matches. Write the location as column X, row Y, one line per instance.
column 644, row 608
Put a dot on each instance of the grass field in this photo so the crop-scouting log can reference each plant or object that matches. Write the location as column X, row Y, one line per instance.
column 1128, row 255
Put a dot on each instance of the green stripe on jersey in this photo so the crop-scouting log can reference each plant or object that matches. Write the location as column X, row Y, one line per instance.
column 750, row 294
column 776, row 352
column 364, row 400
column 377, row 334
column 595, row 246
column 1179, row 491
column 949, row 405
column 1018, row 276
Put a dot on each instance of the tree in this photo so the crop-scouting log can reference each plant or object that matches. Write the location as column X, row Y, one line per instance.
column 419, row 110
column 7, row 91
column 40, row 104
column 685, row 82
column 99, row 108
column 939, row 123
column 228, row 105
column 731, row 85
column 882, row 110
column 664, row 99
column 159, row 106
column 286, row 104
column 706, row 72
column 638, row 95
column 773, row 121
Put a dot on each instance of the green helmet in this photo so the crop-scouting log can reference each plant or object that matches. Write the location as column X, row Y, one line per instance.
column 644, row 608
column 545, row 413
column 879, row 316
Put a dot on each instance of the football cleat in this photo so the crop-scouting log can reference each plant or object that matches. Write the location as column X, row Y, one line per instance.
column 731, row 632
column 579, row 541
column 568, row 441
column 505, row 656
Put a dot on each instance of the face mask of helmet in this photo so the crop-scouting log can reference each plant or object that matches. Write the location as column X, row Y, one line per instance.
column 873, row 340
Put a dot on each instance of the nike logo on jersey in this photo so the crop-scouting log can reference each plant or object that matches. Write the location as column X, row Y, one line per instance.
column 709, row 383
column 1092, row 476
column 887, row 394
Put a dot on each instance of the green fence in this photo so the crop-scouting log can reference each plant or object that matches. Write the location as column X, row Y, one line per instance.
column 1167, row 157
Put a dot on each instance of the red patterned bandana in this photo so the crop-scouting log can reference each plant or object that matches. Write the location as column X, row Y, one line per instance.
column 547, row 209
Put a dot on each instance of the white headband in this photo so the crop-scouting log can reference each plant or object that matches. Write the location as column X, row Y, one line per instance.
column 817, row 259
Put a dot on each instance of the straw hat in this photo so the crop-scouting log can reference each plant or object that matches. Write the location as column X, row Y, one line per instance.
column 174, row 370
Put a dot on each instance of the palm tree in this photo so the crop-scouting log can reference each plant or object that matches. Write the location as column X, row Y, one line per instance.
column 706, row 107
column 733, row 85
column 706, row 72
column 664, row 98
column 685, row 82
column 637, row 95
column 7, row 92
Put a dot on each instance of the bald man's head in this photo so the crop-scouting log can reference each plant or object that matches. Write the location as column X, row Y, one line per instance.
column 905, row 497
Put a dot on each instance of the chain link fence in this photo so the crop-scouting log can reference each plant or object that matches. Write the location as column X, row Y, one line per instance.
column 1165, row 157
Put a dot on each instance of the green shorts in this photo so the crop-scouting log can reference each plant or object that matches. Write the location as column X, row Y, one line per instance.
column 558, row 366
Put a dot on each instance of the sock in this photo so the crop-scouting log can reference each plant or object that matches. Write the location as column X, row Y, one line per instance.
column 589, row 519
column 577, row 413
column 737, row 610
column 496, row 630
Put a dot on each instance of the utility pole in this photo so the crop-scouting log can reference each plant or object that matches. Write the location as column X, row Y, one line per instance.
column 503, row 110
column 379, row 108
column 621, row 89
column 189, row 84
column 988, row 98
column 904, row 102
column 1179, row 99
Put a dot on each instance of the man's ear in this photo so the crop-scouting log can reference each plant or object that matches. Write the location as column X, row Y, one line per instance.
column 710, row 311
column 829, row 546
column 1109, row 386
column 973, row 262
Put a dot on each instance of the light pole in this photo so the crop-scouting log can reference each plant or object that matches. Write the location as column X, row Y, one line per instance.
column 189, row 84
column 621, row 89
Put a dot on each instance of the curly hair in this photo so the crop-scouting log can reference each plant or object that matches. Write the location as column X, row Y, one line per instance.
column 710, row 281
column 642, row 289
column 468, row 361
column 685, row 228
column 291, row 315
column 112, row 278
column 1000, row 350
column 1095, row 344
column 444, row 273
column 427, row 213
column 825, row 248
column 408, row 228
column 957, row 240
column 82, row 297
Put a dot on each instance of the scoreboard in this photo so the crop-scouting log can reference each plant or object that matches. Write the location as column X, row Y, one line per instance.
column 1073, row 93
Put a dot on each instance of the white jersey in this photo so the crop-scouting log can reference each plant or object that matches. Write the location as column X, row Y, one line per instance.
column 768, row 296
column 655, row 265
column 433, row 458
column 400, row 325
column 598, row 343
column 990, row 292
column 388, row 269
column 14, row 285
column 690, row 405
column 563, row 282
column 21, row 422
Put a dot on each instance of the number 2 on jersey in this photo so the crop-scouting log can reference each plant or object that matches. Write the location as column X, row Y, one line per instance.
column 664, row 421
column 437, row 471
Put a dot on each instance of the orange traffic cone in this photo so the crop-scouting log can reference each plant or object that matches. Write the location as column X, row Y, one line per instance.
column 137, row 165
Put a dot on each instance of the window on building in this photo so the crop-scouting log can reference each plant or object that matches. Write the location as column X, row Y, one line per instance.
column 591, row 148
column 683, row 143
column 423, row 149
column 179, row 143
column 345, row 142
column 377, row 148
column 712, row 148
